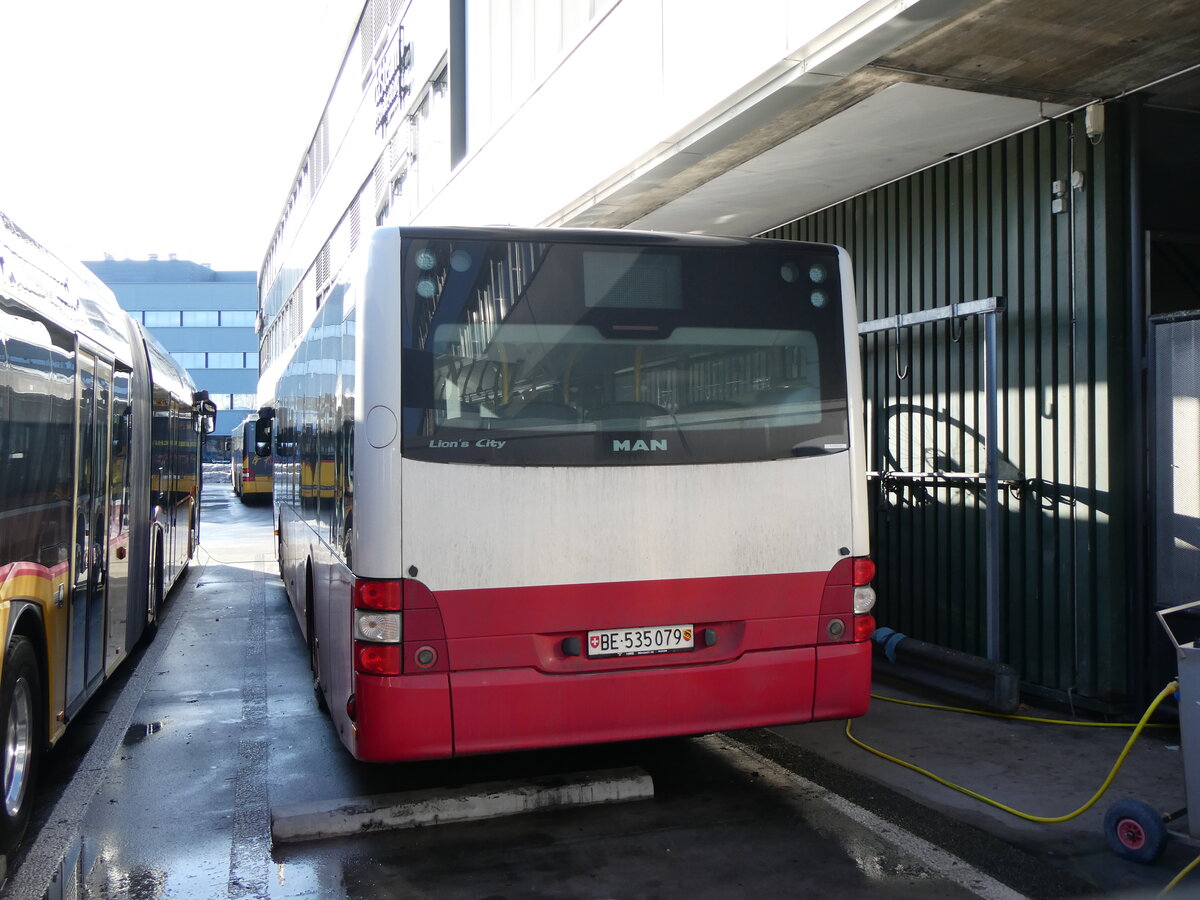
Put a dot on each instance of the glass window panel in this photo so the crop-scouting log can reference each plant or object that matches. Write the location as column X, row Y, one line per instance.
column 200, row 318
column 243, row 401
column 226, row 360
column 238, row 318
column 189, row 360
column 562, row 354
column 162, row 318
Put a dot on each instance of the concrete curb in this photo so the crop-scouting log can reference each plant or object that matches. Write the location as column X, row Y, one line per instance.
column 413, row 809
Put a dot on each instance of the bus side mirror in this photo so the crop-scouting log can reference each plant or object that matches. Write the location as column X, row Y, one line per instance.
column 262, row 431
column 204, row 413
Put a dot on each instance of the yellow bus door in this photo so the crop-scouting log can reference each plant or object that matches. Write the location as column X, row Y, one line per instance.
column 85, row 639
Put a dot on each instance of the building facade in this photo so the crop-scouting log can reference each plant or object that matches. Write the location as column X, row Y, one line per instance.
column 206, row 319
column 1032, row 151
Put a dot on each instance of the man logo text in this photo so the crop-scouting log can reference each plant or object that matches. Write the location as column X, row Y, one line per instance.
column 639, row 445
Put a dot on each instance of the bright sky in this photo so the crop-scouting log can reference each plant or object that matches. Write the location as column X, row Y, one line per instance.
column 161, row 126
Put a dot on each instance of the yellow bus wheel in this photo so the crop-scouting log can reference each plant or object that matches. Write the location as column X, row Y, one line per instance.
column 20, row 700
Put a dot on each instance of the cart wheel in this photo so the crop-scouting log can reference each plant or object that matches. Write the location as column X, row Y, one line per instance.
column 1135, row 830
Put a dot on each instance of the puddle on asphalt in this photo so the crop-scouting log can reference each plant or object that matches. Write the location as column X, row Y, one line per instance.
column 139, row 731
column 87, row 870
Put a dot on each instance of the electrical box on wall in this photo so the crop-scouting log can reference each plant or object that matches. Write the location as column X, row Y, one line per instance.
column 1093, row 122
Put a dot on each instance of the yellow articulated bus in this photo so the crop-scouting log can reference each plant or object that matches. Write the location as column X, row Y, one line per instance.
column 100, row 435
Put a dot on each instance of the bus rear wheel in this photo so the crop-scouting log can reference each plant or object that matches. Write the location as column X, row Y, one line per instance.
column 20, row 700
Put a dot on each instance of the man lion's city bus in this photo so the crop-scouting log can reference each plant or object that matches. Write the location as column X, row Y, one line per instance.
column 249, row 473
column 100, row 435
column 550, row 487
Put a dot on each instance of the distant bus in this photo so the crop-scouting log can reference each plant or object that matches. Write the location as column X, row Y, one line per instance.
column 548, row 487
column 100, row 434
column 249, row 473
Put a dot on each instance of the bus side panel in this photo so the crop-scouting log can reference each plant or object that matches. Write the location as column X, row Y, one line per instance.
column 405, row 718
column 512, row 709
column 294, row 536
column 843, row 688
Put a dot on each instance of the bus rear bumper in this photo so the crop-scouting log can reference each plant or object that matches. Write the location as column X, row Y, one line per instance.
column 500, row 710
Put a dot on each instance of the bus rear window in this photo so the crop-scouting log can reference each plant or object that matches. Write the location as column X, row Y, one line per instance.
column 566, row 354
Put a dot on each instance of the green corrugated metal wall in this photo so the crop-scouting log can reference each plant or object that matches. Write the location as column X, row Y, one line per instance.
column 980, row 225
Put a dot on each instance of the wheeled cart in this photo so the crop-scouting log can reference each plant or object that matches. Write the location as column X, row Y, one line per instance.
column 1135, row 830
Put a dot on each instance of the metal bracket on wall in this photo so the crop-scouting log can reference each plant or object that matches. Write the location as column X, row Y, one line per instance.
column 988, row 307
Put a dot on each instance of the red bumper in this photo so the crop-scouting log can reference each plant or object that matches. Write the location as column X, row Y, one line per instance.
column 413, row 717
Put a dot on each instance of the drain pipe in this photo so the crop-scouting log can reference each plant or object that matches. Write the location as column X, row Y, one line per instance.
column 1139, row 586
column 991, row 512
column 988, row 683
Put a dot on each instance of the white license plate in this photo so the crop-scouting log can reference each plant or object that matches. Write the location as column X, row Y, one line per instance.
column 637, row 641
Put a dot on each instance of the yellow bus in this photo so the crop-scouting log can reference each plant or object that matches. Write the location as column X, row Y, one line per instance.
column 250, row 474
column 100, row 435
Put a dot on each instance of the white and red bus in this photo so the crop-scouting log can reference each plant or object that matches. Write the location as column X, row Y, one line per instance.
column 100, row 435
column 550, row 487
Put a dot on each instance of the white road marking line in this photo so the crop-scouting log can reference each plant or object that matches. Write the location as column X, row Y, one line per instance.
column 934, row 858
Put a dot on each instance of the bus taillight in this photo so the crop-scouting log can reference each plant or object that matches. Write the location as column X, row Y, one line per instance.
column 377, row 594
column 864, row 594
column 378, row 627
column 864, row 599
column 864, row 570
column 864, row 628
column 376, row 659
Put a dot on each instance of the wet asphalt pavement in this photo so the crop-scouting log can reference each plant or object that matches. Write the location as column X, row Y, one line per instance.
column 166, row 790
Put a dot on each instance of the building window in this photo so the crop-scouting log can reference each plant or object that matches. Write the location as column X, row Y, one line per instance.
column 242, row 401
column 200, row 318
column 227, row 360
column 162, row 318
column 189, row 360
column 252, row 360
column 238, row 318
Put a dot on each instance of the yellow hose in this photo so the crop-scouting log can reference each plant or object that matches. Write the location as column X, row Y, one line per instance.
column 995, row 715
column 1166, row 692
column 1182, row 875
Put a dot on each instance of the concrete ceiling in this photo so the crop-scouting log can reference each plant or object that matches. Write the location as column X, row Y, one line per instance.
column 984, row 70
column 892, row 133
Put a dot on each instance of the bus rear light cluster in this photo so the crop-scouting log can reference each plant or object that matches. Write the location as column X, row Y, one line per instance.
column 864, row 599
column 864, row 594
column 378, row 627
column 397, row 628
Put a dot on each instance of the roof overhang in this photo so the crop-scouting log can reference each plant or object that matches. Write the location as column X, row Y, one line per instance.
column 937, row 80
